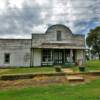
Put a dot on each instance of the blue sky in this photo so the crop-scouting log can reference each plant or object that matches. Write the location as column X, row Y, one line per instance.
column 20, row 18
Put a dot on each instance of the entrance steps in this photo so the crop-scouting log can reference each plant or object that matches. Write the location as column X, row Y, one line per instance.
column 75, row 78
column 72, row 77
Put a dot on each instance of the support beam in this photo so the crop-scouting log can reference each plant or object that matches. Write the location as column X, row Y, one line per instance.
column 71, row 55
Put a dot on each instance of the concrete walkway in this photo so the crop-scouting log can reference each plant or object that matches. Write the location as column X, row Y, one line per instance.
column 67, row 70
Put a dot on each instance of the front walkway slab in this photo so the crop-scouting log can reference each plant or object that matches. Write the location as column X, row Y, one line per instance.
column 74, row 78
column 67, row 70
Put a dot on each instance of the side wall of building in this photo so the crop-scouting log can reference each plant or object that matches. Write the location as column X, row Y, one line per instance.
column 18, row 50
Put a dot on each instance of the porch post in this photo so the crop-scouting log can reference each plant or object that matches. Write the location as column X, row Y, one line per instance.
column 71, row 55
column 52, row 56
column 64, row 55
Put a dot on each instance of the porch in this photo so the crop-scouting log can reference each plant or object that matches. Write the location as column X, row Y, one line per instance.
column 57, row 56
column 49, row 57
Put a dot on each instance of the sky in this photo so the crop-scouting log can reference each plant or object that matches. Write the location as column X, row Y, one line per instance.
column 21, row 18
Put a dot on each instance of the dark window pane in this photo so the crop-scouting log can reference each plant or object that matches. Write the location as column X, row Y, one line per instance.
column 7, row 58
column 46, row 55
column 58, row 35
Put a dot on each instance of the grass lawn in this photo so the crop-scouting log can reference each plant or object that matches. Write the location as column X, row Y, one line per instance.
column 89, row 91
column 27, row 70
column 92, row 65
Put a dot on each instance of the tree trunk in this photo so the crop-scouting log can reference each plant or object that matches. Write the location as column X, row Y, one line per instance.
column 98, row 51
column 99, row 56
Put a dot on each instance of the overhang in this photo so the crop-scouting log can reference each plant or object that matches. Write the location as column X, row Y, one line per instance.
column 59, row 46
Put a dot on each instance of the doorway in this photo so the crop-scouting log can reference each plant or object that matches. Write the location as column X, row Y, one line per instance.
column 58, row 56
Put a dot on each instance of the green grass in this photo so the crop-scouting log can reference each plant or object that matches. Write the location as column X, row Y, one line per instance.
column 90, row 66
column 27, row 70
column 93, row 65
column 89, row 91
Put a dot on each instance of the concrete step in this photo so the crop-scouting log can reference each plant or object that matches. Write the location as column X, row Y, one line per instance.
column 67, row 70
column 74, row 78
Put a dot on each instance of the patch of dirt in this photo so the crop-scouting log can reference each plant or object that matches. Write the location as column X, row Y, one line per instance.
column 89, row 78
column 42, row 81
column 37, row 81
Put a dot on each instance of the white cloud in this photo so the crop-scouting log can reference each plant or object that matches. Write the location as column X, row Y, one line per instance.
column 2, row 4
column 40, row 28
column 42, row 2
column 26, row 16
column 16, row 3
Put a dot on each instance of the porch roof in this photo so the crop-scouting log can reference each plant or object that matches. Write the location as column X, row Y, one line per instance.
column 60, row 46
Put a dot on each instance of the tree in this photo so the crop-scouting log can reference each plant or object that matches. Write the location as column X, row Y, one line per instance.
column 93, row 40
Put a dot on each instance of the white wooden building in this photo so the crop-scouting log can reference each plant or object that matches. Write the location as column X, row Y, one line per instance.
column 58, row 45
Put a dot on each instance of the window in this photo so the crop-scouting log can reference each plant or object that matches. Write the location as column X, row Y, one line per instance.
column 58, row 35
column 7, row 58
column 46, row 55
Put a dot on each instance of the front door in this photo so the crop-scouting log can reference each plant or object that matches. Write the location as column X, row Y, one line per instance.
column 58, row 56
